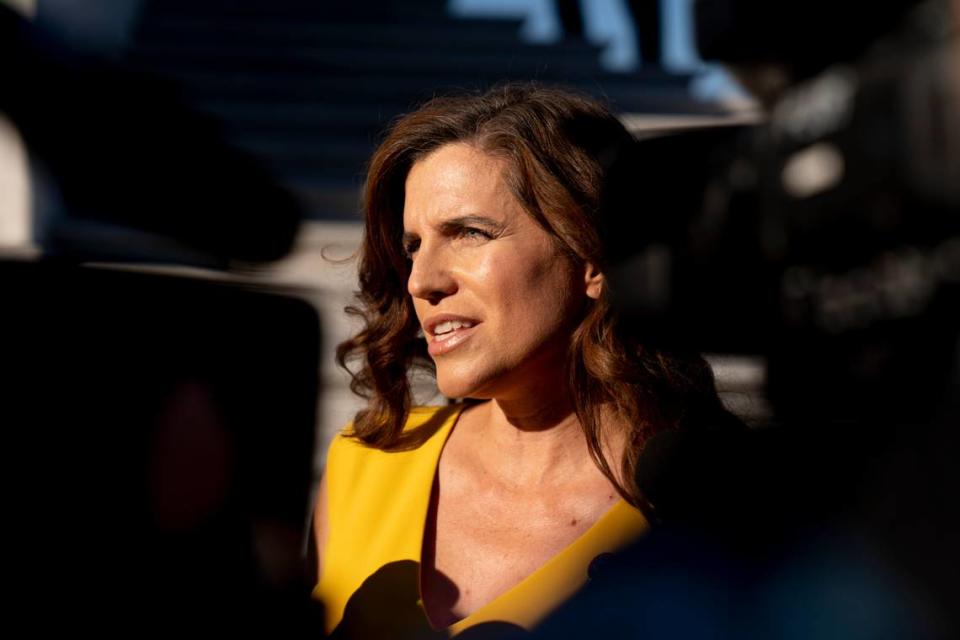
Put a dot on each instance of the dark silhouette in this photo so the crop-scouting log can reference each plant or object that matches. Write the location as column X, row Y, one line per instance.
column 158, row 450
column 158, row 430
column 839, row 518
column 393, row 592
column 127, row 156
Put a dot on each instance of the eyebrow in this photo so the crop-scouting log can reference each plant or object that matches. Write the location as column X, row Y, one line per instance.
column 469, row 221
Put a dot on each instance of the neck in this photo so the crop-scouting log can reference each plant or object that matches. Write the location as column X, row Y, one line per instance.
column 548, row 416
column 530, row 444
column 533, row 438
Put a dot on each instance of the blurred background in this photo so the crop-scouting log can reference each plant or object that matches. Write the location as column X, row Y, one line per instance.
column 306, row 88
column 179, row 197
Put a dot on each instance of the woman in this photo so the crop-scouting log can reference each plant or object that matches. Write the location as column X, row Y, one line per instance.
column 483, row 262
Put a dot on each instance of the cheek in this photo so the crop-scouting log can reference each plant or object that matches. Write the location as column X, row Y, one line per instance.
column 538, row 293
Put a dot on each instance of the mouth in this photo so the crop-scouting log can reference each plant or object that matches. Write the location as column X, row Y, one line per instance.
column 447, row 333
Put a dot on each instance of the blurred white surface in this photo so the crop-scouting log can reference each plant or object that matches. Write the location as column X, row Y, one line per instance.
column 15, row 228
column 26, row 7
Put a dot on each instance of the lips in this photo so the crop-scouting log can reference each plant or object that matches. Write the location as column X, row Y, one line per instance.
column 446, row 332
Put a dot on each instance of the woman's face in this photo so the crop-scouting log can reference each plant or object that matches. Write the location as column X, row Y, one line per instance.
column 495, row 297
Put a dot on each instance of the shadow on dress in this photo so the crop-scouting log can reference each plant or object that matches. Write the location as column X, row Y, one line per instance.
column 387, row 605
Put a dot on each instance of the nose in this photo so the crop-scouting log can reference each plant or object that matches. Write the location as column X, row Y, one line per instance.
column 431, row 278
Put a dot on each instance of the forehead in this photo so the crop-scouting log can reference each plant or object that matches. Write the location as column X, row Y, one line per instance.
column 457, row 179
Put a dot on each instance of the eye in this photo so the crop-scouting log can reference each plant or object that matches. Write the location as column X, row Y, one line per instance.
column 475, row 233
column 410, row 247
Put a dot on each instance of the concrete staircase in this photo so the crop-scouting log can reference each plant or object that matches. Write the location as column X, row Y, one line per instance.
column 307, row 86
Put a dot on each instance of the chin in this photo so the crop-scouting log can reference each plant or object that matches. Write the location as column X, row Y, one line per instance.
column 460, row 386
column 455, row 390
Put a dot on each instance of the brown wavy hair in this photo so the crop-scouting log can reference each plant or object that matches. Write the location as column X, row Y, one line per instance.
column 562, row 150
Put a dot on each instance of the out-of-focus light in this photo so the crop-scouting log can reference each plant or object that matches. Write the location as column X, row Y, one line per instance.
column 27, row 8
column 15, row 200
column 813, row 170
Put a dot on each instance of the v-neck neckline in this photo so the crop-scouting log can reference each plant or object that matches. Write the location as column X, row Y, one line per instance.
column 599, row 527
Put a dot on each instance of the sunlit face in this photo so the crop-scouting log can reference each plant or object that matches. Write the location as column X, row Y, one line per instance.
column 496, row 298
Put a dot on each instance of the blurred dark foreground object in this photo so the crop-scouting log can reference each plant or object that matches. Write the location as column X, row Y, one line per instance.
column 772, row 45
column 159, row 431
column 141, row 177
column 158, row 444
column 821, row 533
column 827, row 241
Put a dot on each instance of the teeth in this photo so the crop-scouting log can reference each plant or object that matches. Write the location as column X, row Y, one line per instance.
column 450, row 325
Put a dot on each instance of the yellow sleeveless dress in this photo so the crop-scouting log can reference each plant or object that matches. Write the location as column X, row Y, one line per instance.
column 377, row 506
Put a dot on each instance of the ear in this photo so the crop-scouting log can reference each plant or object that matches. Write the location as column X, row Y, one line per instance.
column 593, row 279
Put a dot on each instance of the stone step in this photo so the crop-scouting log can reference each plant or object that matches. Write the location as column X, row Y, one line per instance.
column 326, row 201
column 440, row 33
column 300, row 115
column 325, row 163
column 666, row 94
column 525, row 61
column 314, row 10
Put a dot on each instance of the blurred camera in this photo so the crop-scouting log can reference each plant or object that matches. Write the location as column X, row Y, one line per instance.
column 826, row 239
